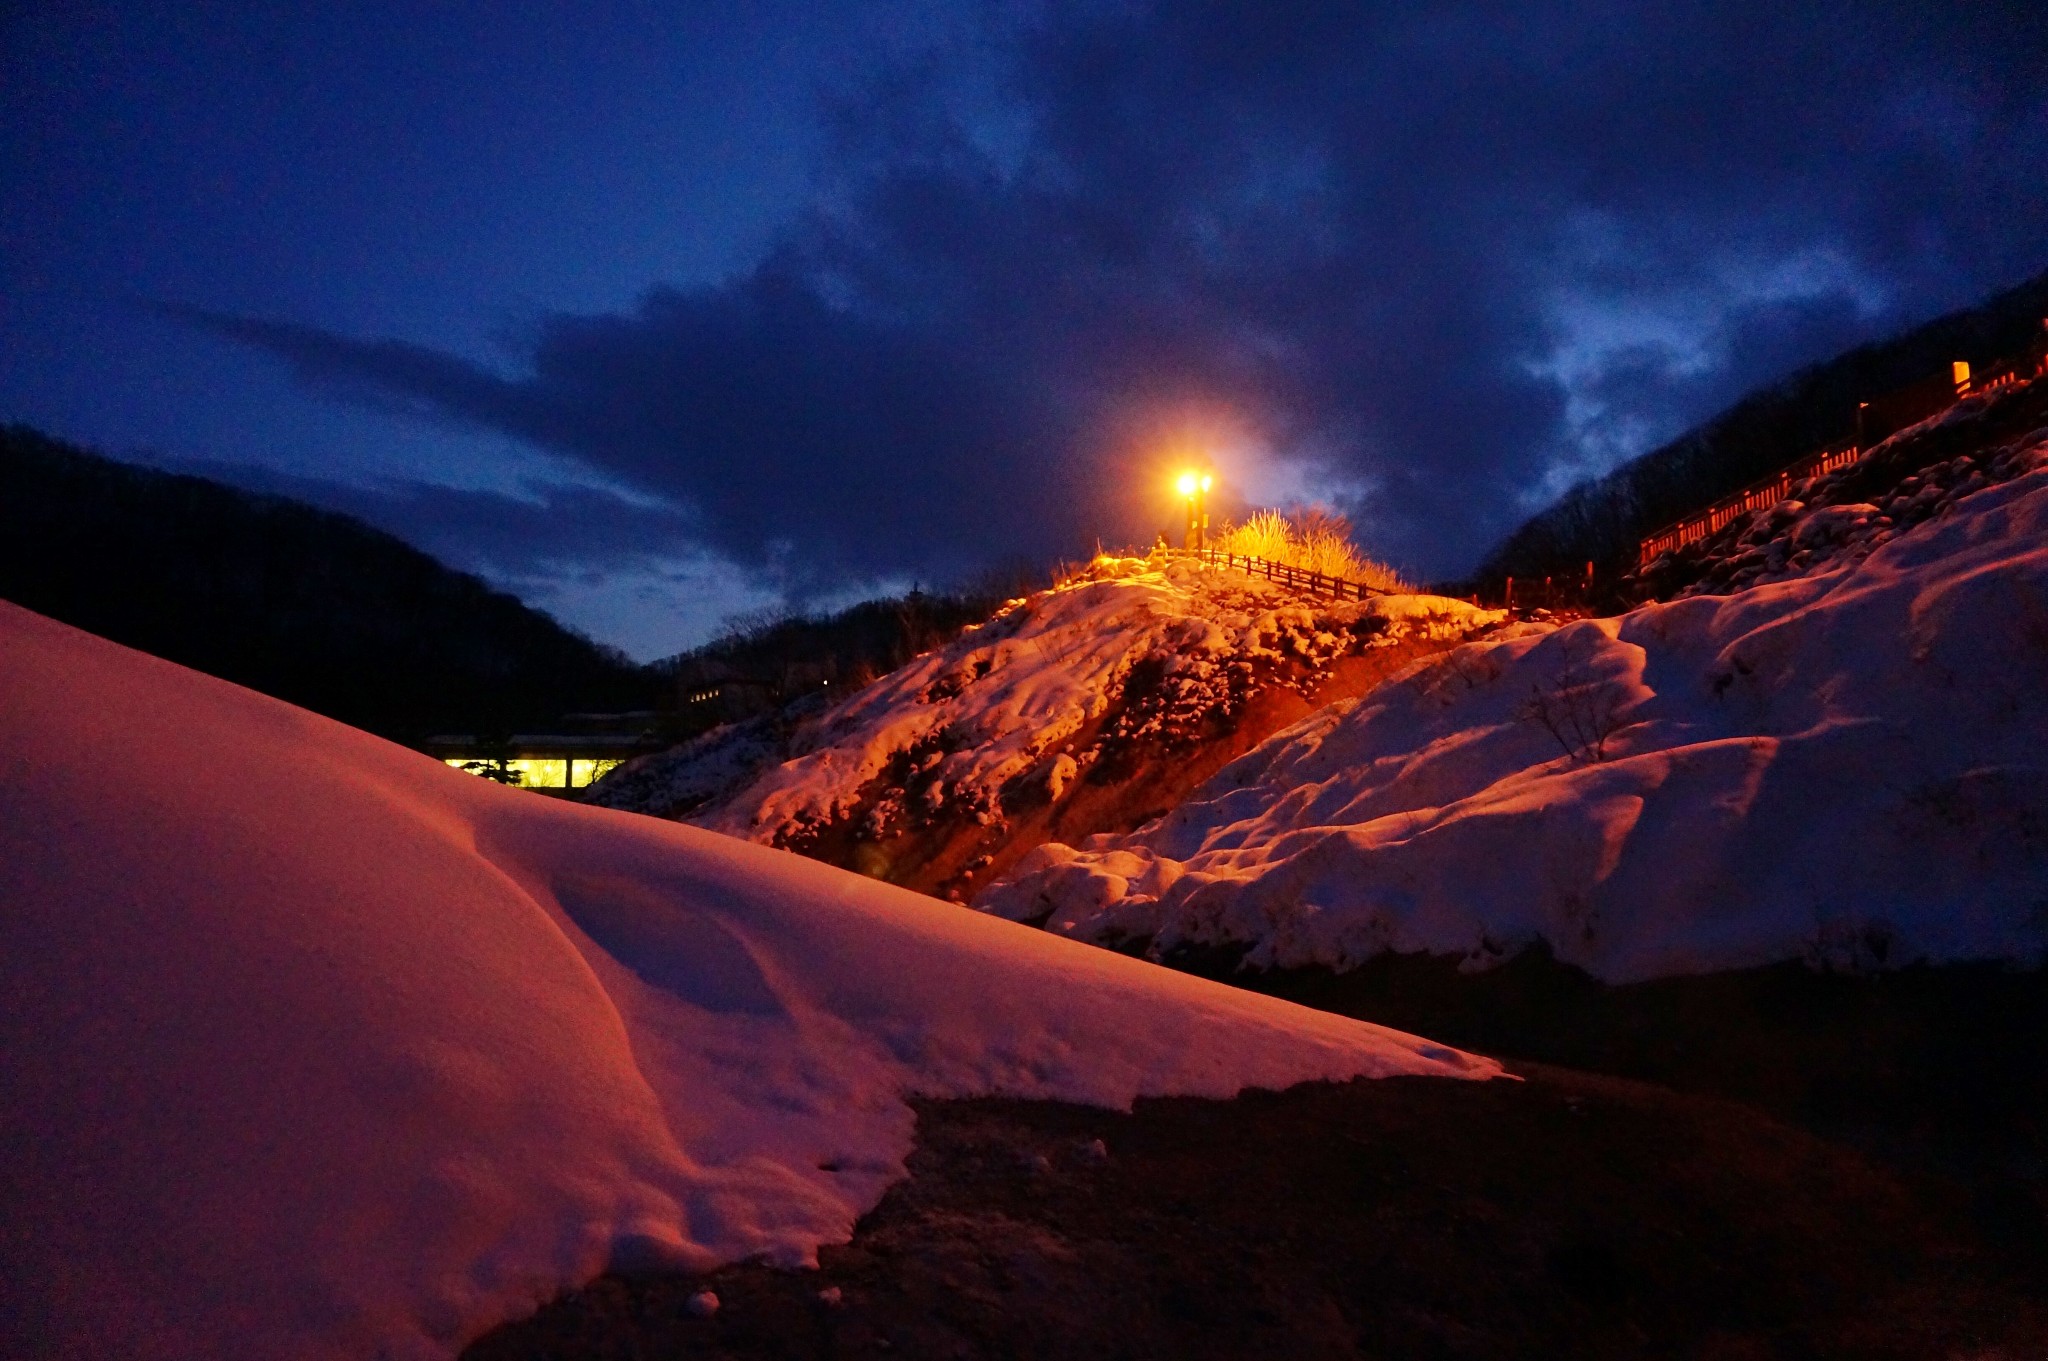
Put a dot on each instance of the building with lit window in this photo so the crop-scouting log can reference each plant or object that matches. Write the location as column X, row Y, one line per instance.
column 561, row 762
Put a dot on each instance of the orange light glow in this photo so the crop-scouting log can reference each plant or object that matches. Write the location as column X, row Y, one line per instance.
column 1189, row 483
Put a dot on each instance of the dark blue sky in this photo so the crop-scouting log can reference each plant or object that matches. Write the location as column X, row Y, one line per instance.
column 659, row 313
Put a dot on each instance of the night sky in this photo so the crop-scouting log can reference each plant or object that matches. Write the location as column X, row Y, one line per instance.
column 659, row 313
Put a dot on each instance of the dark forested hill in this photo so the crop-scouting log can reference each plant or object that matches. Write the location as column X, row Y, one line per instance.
column 1601, row 520
column 300, row 603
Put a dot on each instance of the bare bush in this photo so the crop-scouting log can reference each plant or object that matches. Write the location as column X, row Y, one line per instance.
column 1066, row 572
column 1453, row 676
column 1580, row 712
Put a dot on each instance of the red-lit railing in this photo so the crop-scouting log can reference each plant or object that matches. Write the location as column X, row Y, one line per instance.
column 1755, row 497
column 1566, row 592
column 1775, row 488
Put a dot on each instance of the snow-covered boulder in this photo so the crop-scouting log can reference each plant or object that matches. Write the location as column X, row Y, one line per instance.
column 314, row 1048
column 1849, row 767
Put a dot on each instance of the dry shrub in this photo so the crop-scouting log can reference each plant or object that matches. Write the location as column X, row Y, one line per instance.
column 1579, row 710
column 1317, row 540
column 1264, row 535
column 1065, row 572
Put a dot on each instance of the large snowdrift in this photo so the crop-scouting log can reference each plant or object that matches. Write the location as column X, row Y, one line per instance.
column 1850, row 768
column 315, row 1048
column 973, row 718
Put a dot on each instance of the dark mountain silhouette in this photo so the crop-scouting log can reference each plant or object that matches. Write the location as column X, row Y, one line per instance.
column 787, row 655
column 300, row 603
column 1601, row 520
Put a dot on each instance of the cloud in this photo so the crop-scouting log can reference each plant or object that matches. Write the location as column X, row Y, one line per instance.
column 1429, row 260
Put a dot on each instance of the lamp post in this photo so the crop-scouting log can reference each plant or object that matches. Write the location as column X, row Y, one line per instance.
column 1194, row 488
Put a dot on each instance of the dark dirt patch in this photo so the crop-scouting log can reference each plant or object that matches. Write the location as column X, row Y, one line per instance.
column 1566, row 1216
column 1923, row 1058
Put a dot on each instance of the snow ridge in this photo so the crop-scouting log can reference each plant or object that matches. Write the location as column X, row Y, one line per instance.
column 317, row 1048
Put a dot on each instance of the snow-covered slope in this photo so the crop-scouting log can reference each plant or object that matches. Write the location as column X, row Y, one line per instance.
column 1838, row 518
column 985, row 719
column 315, row 1048
column 1850, row 767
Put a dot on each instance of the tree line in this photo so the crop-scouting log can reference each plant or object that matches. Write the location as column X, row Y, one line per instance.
column 303, row 604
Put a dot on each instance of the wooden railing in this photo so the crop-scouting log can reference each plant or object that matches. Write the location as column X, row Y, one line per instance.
column 1567, row 592
column 2013, row 373
column 1752, row 498
column 1775, row 488
column 1299, row 577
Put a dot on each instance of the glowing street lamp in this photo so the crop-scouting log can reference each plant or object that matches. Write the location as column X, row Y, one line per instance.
column 1194, row 489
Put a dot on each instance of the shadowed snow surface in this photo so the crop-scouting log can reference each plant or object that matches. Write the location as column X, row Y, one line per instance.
column 316, row 1048
column 1850, row 767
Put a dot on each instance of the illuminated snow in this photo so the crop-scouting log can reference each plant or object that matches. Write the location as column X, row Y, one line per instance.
column 987, row 708
column 1849, row 767
column 314, row 1047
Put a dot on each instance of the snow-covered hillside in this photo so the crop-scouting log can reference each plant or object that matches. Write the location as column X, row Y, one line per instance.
column 1014, row 710
column 1849, row 766
column 1838, row 518
column 314, row 1048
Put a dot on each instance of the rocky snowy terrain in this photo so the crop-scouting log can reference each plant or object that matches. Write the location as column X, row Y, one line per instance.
column 1847, row 766
column 1008, row 719
column 315, row 1048
column 1840, row 517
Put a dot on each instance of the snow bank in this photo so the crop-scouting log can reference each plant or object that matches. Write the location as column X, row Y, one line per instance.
column 1850, row 768
column 316, row 1048
column 970, row 718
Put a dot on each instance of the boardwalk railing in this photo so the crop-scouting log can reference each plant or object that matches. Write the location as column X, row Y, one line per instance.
column 1775, row 488
column 1300, row 577
column 1752, row 498
column 1567, row 592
